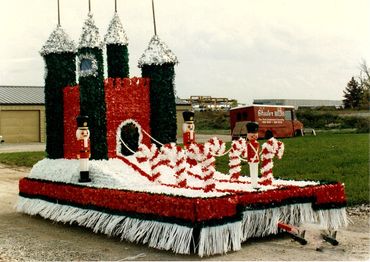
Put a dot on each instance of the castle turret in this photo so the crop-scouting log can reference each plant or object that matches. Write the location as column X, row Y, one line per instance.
column 91, row 81
column 59, row 54
column 157, row 63
column 117, row 51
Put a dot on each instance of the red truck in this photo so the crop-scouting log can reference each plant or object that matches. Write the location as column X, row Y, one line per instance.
column 273, row 120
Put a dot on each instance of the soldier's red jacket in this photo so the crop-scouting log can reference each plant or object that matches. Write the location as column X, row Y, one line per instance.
column 253, row 151
column 84, row 152
column 187, row 140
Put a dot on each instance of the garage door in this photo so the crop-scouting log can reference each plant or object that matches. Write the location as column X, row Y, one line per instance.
column 20, row 126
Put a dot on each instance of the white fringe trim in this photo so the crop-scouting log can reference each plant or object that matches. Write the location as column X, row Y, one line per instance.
column 259, row 223
column 168, row 236
column 158, row 235
column 219, row 239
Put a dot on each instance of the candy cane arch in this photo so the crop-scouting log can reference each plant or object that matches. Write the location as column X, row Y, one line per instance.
column 238, row 147
column 270, row 149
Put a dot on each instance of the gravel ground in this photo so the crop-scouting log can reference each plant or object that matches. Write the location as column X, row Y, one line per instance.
column 26, row 238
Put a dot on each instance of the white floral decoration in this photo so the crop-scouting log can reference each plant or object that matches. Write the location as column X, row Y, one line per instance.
column 58, row 42
column 157, row 53
column 94, row 65
column 90, row 34
column 118, row 134
column 116, row 34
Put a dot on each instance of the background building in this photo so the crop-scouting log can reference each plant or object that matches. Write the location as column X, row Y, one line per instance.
column 22, row 114
column 312, row 103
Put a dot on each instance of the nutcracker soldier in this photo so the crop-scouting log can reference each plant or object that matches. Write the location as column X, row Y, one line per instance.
column 83, row 135
column 188, row 128
column 253, row 152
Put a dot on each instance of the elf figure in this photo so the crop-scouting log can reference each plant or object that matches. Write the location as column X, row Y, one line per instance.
column 253, row 152
column 83, row 135
column 188, row 128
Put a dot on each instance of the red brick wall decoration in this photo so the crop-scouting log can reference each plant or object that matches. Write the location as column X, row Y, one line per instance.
column 71, row 111
column 127, row 101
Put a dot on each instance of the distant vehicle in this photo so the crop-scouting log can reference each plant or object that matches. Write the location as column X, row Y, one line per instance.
column 274, row 121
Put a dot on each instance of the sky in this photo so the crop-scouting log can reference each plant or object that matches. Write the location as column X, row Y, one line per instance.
column 239, row 49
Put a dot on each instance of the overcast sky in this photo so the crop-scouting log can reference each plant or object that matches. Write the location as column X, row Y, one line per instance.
column 242, row 49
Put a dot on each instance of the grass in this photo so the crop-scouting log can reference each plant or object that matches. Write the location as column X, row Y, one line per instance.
column 331, row 157
column 27, row 159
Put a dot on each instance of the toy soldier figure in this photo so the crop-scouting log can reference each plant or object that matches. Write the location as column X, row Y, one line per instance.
column 188, row 128
column 253, row 152
column 83, row 135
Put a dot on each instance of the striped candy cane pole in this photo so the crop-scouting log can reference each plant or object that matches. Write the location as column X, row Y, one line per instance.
column 270, row 149
column 237, row 148
column 142, row 154
column 176, row 160
column 194, row 154
column 181, row 172
column 156, row 160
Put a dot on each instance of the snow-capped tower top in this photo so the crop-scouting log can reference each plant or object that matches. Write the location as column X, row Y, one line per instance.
column 90, row 34
column 58, row 42
column 157, row 53
column 116, row 34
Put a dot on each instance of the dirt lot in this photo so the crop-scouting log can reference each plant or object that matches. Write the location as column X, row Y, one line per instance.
column 25, row 238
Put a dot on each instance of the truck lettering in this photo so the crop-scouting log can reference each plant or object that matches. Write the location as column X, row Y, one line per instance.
column 264, row 113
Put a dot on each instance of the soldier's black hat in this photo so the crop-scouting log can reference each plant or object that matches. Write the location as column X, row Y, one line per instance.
column 252, row 127
column 82, row 122
column 188, row 116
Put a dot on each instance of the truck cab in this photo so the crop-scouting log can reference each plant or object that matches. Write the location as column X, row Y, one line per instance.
column 274, row 121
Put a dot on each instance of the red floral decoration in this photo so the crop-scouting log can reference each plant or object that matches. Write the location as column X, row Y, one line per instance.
column 187, row 209
column 126, row 98
column 71, row 111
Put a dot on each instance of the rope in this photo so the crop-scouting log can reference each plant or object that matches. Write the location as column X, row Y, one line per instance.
column 243, row 159
column 129, row 149
column 155, row 140
column 215, row 155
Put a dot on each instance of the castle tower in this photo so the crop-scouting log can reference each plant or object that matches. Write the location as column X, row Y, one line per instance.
column 157, row 63
column 91, row 80
column 117, row 51
column 59, row 53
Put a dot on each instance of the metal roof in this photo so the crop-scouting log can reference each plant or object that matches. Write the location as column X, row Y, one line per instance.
column 18, row 95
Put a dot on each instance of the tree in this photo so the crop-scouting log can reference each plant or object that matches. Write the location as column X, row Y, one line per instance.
column 365, row 85
column 353, row 94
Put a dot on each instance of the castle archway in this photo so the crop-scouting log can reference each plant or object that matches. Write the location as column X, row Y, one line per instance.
column 129, row 137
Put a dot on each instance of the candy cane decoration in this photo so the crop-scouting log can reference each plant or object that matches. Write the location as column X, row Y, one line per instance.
column 194, row 154
column 142, row 154
column 181, row 172
column 212, row 148
column 156, row 160
column 238, row 147
column 270, row 149
column 176, row 161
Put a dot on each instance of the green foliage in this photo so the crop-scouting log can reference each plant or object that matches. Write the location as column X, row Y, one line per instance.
column 330, row 157
column 322, row 119
column 353, row 94
column 27, row 159
column 117, row 57
column 162, row 101
column 61, row 72
column 92, row 104
column 207, row 120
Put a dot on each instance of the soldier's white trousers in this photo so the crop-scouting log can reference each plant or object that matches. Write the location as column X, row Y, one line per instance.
column 84, row 164
column 253, row 171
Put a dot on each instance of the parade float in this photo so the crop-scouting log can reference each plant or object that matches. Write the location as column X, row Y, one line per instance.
column 113, row 164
